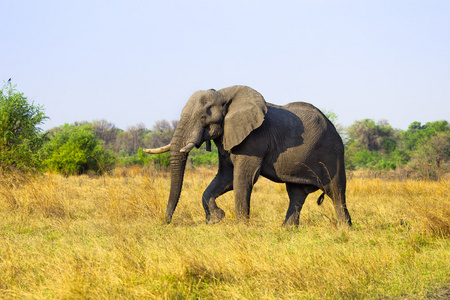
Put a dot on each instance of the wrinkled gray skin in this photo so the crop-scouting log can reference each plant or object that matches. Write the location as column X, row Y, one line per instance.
column 295, row 144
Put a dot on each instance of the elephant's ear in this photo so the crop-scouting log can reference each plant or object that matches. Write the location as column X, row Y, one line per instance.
column 246, row 111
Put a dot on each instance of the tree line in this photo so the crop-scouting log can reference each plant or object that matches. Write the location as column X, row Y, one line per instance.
column 99, row 146
column 422, row 148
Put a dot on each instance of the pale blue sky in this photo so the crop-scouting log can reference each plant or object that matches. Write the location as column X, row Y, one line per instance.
column 139, row 61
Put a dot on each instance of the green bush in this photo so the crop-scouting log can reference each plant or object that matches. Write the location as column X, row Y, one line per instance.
column 202, row 157
column 206, row 159
column 20, row 136
column 143, row 159
column 75, row 150
column 161, row 160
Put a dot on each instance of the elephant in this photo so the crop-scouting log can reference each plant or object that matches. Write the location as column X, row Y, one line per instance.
column 293, row 144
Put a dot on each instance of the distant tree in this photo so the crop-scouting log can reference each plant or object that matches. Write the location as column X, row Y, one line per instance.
column 364, row 133
column 373, row 136
column 331, row 115
column 81, row 123
column 417, row 133
column 415, row 126
column 128, row 142
column 20, row 135
column 373, row 144
column 105, row 131
column 161, row 134
column 162, row 125
column 175, row 124
column 433, row 155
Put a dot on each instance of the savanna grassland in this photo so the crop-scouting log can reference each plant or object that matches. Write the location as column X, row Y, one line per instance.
column 83, row 237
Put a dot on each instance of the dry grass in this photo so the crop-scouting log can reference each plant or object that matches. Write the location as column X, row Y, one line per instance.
column 103, row 238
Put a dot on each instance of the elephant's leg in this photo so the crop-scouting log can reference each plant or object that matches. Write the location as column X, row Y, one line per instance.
column 246, row 173
column 336, row 192
column 343, row 216
column 220, row 185
column 297, row 195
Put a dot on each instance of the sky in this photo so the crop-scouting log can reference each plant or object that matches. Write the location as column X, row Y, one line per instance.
column 132, row 62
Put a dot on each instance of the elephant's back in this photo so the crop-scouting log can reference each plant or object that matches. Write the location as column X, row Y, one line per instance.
column 305, row 110
column 309, row 122
column 301, row 140
column 307, row 115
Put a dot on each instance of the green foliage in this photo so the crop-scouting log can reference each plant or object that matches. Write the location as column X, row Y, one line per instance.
column 372, row 145
column 75, row 150
column 161, row 160
column 20, row 136
column 428, row 146
column 417, row 133
column 433, row 155
column 331, row 115
column 371, row 159
column 207, row 159
column 202, row 157
column 145, row 159
column 198, row 157
column 373, row 136
column 377, row 146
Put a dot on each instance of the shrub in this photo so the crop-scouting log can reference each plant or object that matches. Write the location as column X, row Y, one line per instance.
column 20, row 136
column 75, row 150
column 206, row 159
column 162, row 160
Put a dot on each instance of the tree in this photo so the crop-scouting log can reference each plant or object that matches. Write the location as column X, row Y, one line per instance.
column 20, row 135
column 161, row 135
column 129, row 141
column 364, row 132
column 105, row 131
column 373, row 145
column 75, row 150
column 432, row 155
column 417, row 133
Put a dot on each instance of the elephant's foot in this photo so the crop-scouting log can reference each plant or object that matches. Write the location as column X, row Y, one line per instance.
column 343, row 217
column 292, row 220
column 215, row 216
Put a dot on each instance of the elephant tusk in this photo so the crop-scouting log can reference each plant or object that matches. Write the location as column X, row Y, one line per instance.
column 187, row 148
column 157, row 150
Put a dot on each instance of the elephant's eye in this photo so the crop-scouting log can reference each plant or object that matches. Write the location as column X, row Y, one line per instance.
column 208, row 110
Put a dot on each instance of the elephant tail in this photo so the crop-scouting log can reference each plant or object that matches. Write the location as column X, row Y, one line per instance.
column 320, row 199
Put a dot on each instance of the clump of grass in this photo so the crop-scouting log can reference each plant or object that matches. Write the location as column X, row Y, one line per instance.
column 432, row 207
column 36, row 194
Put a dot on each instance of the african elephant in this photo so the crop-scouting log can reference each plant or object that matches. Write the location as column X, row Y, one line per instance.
column 294, row 144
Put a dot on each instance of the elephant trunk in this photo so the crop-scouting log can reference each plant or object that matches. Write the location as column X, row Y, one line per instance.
column 177, row 166
column 178, row 157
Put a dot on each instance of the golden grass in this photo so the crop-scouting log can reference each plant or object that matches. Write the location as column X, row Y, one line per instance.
column 105, row 237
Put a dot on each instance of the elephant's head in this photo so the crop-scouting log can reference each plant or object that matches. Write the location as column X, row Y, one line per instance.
column 227, row 115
